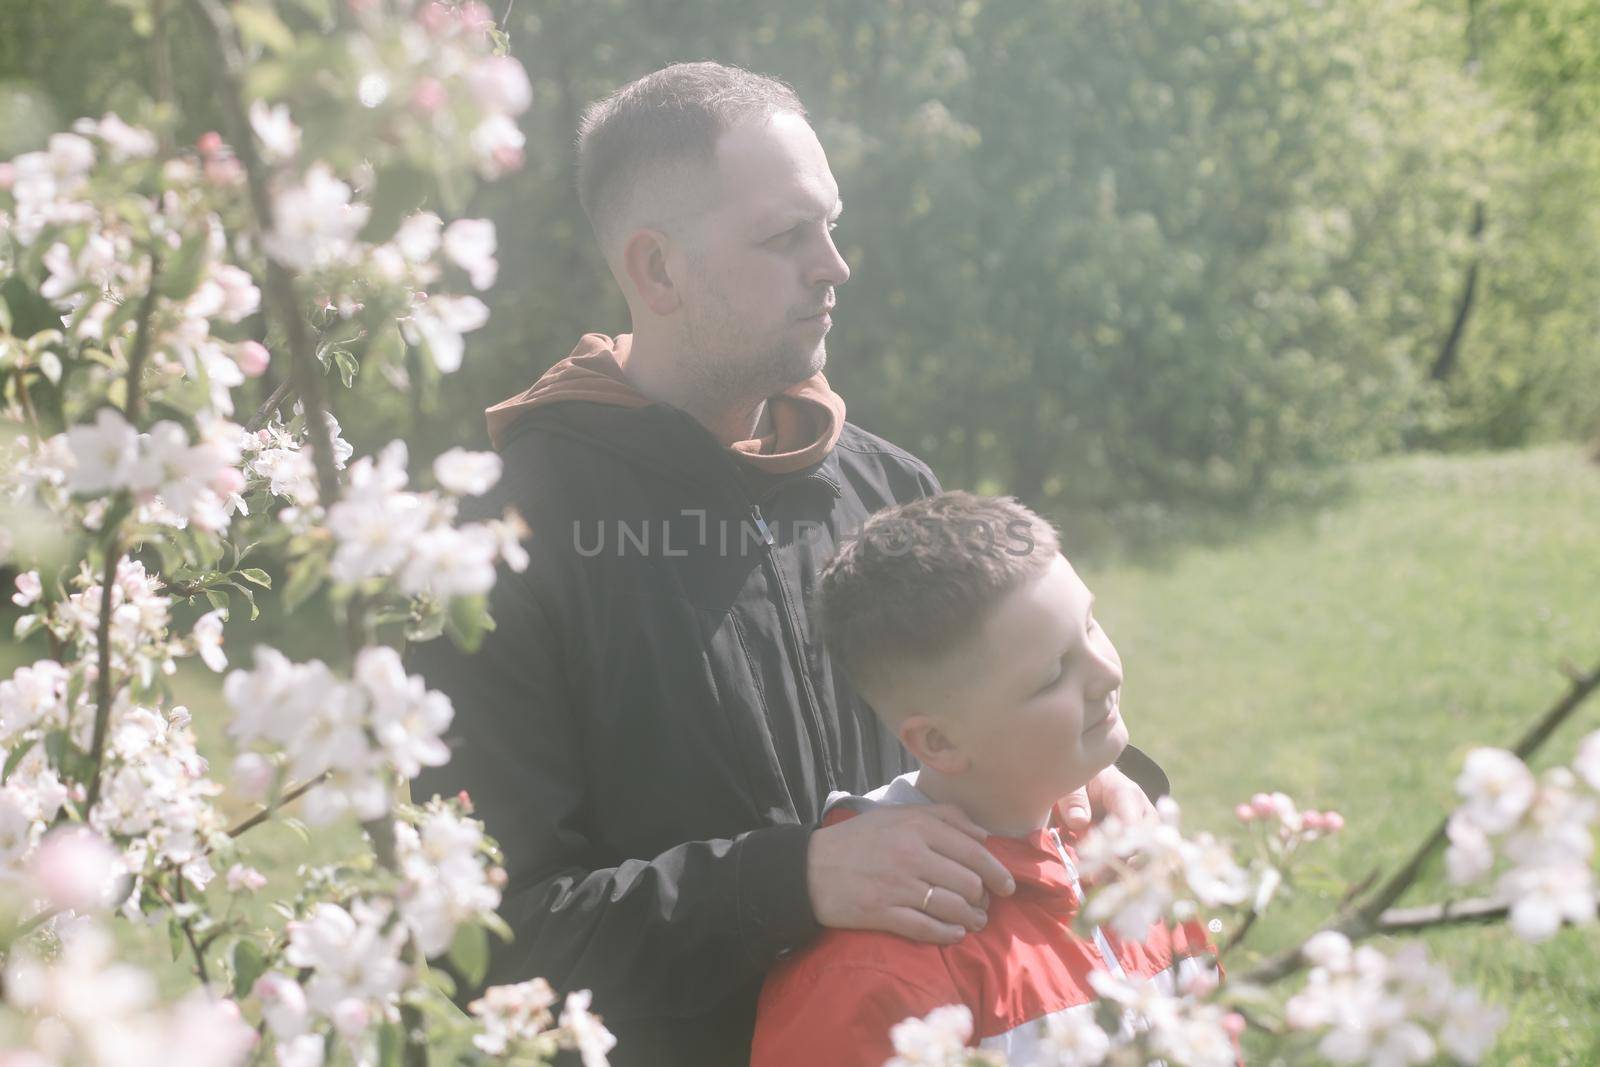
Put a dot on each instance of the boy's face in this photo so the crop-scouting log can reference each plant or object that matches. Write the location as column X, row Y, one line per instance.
column 1031, row 700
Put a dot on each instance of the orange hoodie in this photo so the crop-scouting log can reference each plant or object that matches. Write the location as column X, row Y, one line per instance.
column 806, row 418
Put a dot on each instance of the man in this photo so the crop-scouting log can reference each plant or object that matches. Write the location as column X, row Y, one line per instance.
column 653, row 727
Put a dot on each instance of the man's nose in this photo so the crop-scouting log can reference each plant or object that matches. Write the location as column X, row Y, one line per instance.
column 830, row 268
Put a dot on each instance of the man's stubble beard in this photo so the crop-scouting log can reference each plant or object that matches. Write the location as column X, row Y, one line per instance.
column 728, row 364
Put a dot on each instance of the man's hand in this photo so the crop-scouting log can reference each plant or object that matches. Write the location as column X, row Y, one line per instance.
column 873, row 872
column 1109, row 793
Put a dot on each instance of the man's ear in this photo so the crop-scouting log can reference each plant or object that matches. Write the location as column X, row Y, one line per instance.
column 644, row 261
column 926, row 738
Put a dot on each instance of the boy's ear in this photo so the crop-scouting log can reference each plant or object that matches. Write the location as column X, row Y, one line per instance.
column 925, row 737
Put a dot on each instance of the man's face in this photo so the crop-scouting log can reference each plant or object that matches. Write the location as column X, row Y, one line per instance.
column 1037, row 713
column 760, row 267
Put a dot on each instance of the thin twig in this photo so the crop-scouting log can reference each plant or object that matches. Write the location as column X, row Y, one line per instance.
column 272, row 403
column 187, row 925
column 1367, row 919
column 285, row 304
column 288, row 798
column 1447, row 913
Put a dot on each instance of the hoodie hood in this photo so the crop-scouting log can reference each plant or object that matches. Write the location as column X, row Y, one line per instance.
column 806, row 419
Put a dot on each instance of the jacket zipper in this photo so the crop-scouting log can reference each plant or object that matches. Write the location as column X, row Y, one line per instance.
column 791, row 633
column 1109, row 957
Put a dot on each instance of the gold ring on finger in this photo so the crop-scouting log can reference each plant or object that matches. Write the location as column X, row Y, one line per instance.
column 927, row 898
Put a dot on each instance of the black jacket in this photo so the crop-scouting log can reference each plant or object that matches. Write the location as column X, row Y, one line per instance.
column 653, row 726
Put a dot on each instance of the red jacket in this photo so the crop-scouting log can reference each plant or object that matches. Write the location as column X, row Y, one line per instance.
column 835, row 1002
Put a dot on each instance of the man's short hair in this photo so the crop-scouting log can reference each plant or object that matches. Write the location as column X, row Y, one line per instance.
column 921, row 578
column 665, row 120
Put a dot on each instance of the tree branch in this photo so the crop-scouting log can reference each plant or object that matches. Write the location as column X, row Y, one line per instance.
column 285, row 304
column 288, row 798
column 1367, row 919
column 271, row 404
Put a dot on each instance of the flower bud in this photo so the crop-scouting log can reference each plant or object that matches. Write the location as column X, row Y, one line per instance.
column 1244, row 813
column 252, row 357
column 428, row 96
column 253, row 775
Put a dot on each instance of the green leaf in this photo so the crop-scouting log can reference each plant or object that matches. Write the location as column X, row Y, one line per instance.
column 468, row 621
column 346, row 363
column 180, row 274
column 257, row 576
column 257, row 25
column 469, row 953
column 175, row 938
column 249, row 961
column 391, row 1045
column 296, row 827
column 250, row 598
column 218, row 599
column 305, row 578
column 15, row 757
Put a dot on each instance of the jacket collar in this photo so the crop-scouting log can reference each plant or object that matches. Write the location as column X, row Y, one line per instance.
column 1034, row 860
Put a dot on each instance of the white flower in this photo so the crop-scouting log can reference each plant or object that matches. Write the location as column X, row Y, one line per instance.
column 418, row 236
column 1497, row 788
column 252, row 776
column 104, row 455
column 1470, row 855
column 126, row 142
column 499, row 85
column 440, row 321
column 70, row 155
column 1469, row 1027
column 1072, row 1039
column 238, row 295
column 314, row 223
column 33, row 695
column 1587, row 762
column 283, row 1005
column 407, row 718
column 76, row 870
column 465, row 473
column 449, row 562
column 242, row 879
column 512, row 1013
column 349, row 954
column 937, row 1039
column 307, row 1050
column 29, row 588
column 208, row 641
column 592, row 1039
column 498, row 145
column 470, row 245
column 1545, row 897
column 280, row 138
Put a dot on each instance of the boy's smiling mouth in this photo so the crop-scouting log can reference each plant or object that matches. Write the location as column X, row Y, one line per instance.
column 1110, row 715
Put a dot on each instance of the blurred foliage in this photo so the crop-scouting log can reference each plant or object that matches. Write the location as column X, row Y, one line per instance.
column 1130, row 261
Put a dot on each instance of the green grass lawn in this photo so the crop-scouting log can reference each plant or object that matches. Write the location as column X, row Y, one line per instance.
column 1352, row 657
column 1348, row 658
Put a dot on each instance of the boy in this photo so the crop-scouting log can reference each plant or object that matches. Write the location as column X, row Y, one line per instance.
column 963, row 625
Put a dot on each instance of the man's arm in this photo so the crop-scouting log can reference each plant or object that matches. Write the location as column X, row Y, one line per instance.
column 673, row 934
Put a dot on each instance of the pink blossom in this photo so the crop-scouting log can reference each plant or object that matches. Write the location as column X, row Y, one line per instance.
column 76, row 870
column 29, row 589
column 253, row 358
